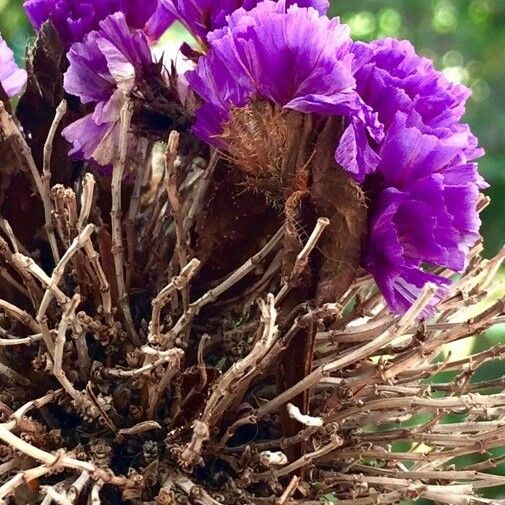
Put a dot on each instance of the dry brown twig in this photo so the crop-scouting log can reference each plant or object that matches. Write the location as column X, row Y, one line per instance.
column 116, row 218
column 211, row 295
column 88, row 191
column 181, row 248
column 238, row 373
column 325, row 370
column 141, row 174
column 61, row 110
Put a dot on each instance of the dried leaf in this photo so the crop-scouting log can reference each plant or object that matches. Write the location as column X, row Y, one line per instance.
column 334, row 267
column 35, row 112
column 8, row 161
column 46, row 63
column 18, row 203
column 192, row 394
column 232, row 224
column 5, row 99
column 336, row 196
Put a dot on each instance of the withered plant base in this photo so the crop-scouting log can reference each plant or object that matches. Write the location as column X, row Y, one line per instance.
column 150, row 359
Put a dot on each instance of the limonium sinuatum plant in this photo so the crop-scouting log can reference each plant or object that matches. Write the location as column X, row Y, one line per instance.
column 231, row 268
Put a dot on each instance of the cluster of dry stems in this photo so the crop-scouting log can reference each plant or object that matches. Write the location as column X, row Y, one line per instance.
column 123, row 382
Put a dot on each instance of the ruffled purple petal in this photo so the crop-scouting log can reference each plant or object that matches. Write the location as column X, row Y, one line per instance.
column 103, row 70
column 206, row 119
column 204, row 16
column 392, row 258
column 407, row 154
column 91, row 140
column 426, row 215
column 396, row 80
column 12, row 77
column 159, row 22
column 88, row 76
column 354, row 152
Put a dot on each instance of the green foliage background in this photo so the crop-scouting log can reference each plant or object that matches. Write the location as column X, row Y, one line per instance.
column 466, row 38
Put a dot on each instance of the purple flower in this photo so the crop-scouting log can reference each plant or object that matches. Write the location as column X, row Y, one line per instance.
column 397, row 79
column 425, row 213
column 293, row 59
column 424, row 194
column 204, row 16
column 103, row 72
column 12, row 77
column 74, row 19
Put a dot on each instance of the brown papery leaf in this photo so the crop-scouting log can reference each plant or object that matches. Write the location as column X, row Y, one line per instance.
column 336, row 196
column 46, row 64
column 7, row 159
column 232, row 224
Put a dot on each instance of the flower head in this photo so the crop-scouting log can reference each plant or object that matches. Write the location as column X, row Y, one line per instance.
column 12, row 77
column 397, row 79
column 103, row 72
column 74, row 19
column 425, row 214
column 426, row 188
column 204, row 16
column 292, row 59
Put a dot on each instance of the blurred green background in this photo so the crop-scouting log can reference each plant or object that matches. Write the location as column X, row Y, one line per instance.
column 466, row 38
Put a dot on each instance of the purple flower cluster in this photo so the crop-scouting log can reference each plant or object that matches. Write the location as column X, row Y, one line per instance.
column 294, row 58
column 204, row 16
column 426, row 210
column 103, row 71
column 12, row 78
column 74, row 19
column 401, row 136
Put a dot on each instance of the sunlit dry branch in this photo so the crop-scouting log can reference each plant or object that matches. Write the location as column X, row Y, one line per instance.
column 116, row 220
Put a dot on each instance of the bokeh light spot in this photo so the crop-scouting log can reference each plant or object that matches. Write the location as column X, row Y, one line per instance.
column 445, row 16
column 390, row 22
column 480, row 11
column 363, row 24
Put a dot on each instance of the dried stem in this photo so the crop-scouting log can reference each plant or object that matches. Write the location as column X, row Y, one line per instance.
column 11, row 131
column 229, row 282
column 59, row 271
column 60, row 460
column 20, row 315
column 116, row 217
column 177, row 284
column 303, row 257
column 88, row 190
column 103, row 283
column 232, row 380
column 133, row 211
column 59, row 345
column 317, row 375
column 61, row 110
column 175, row 205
